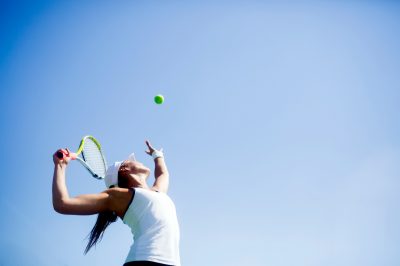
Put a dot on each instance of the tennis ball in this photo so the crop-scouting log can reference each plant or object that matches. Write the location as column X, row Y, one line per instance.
column 159, row 99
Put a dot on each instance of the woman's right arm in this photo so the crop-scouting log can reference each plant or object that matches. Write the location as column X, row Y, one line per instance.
column 80, row 205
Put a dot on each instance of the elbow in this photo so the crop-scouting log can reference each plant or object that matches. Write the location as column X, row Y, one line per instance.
column 60, row 207
column 165, row 174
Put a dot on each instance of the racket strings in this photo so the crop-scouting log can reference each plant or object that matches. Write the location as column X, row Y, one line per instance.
column 93, row 157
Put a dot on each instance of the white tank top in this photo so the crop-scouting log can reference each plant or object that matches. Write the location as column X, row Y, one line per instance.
column 154, row 225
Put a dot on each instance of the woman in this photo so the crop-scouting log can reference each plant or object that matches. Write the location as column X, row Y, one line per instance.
column 148, row 211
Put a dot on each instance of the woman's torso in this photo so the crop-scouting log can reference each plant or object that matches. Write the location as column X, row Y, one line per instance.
column 152, row 219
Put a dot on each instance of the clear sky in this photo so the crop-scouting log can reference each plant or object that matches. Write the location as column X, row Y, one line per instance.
column 280, row 125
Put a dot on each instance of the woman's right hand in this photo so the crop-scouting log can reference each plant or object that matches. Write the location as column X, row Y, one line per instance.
column 62, row 161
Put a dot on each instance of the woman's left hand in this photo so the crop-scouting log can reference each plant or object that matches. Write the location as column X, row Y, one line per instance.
column 150, row 148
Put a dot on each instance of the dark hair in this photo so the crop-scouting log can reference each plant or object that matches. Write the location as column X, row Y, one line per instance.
column 104, row 219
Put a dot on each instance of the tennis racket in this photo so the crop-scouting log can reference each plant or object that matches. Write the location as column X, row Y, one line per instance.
column 90, row 155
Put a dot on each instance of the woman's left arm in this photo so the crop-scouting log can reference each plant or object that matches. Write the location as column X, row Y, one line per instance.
column 80, row 205
column 161, row 173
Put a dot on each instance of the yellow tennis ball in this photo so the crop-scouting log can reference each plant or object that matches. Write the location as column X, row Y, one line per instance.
column 159, row 99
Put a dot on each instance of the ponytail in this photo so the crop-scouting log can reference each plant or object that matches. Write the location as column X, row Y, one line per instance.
column 104, row 219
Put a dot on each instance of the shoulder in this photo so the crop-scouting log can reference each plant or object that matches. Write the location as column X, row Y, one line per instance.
column 118, row 191
column 119, row 197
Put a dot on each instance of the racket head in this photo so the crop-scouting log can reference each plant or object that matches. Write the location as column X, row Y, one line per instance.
column 92, row 157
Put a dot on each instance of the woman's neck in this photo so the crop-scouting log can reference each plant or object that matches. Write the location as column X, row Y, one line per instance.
column 139, row 181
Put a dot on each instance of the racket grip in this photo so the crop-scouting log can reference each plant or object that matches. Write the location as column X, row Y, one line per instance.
column 62, row 154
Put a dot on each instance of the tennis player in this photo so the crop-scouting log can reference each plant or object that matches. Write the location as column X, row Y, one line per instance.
column 148, row 211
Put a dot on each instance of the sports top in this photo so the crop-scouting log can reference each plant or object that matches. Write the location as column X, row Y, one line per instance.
column 154, row 225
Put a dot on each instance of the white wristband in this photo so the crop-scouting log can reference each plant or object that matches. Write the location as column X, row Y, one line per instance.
column 156, row 154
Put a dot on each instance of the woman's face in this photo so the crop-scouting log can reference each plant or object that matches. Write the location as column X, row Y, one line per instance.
column 129, row 168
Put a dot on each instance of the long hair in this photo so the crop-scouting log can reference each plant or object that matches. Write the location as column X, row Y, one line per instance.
column 104, row 219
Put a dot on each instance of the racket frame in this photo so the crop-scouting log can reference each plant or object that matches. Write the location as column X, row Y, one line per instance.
column 74, row 156
column 82, row 160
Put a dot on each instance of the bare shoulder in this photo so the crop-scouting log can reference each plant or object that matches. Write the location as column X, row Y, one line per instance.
column 119, row 198
column 117, row 190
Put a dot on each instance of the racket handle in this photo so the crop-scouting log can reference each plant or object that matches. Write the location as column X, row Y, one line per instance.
column 61, row 155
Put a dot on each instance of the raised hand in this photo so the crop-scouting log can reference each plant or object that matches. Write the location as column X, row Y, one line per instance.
column 150, row 149
column 63, row 160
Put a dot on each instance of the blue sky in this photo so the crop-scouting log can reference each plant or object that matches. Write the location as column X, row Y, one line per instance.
column 280, row 125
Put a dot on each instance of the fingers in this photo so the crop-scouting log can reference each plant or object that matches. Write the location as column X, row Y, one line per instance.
column 61, row 154
column 151, row 148
column 149, row 145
